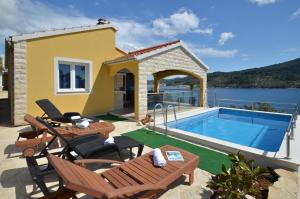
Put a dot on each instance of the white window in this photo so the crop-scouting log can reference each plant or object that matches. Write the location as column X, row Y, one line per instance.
column 72, row 75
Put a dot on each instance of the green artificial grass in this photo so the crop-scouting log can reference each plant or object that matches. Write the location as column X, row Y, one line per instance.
column 210, row 161
column 110, row 118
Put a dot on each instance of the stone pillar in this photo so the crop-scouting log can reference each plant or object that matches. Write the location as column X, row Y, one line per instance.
column 142, row 103
column 156, row 84
column 1, row 82
column 202, row 92
column 20, row 83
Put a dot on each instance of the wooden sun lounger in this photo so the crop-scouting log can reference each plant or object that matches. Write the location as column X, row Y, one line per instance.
column 137, row 178
column 34, row 139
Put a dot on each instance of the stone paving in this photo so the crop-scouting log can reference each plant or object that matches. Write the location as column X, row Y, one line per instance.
column 15, row 181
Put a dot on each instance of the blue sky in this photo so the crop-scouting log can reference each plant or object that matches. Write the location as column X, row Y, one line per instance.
column 227, row 35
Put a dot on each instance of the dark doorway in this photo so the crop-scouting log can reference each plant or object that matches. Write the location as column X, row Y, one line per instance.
column 129, row 97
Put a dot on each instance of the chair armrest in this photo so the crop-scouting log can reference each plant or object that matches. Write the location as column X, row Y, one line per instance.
column 96, row 161
column 53, row 122
column 134, row 188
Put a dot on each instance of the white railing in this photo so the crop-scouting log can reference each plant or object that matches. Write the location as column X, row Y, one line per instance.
column 255, row 105
column 177, row 99
column 290, row 131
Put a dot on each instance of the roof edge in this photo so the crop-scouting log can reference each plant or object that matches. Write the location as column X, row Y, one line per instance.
column 47, row 33
column 123, row 59
column 121, row 50
column 179, row 44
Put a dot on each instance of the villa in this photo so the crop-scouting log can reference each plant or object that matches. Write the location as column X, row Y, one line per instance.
column 85, row 66
column 81, row 69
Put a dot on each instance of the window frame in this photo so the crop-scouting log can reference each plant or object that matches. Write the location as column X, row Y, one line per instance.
column 72, row 62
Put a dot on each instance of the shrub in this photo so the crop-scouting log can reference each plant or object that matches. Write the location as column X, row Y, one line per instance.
column 241, row 179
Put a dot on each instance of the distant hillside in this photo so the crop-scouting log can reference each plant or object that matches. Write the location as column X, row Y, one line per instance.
column 282, row 75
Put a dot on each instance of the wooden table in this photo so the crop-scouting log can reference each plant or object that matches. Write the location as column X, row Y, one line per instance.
column 143, row 171
column 125, row 180
column 103, row 128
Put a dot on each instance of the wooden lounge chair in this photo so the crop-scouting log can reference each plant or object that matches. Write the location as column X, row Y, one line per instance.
column 87, row 146
column 137, row 178
column 52, row 113
column 39, row 135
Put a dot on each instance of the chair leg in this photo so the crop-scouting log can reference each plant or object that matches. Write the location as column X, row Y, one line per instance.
column 41, row 184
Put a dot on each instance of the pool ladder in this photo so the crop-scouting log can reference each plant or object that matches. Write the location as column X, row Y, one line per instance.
column 165, row 117
column 175, row 117
column 158, row 105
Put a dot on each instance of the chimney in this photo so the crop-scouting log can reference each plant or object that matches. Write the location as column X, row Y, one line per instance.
column 102, row 21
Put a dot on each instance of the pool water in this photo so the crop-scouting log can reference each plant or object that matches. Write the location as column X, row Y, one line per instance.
column 263, row 131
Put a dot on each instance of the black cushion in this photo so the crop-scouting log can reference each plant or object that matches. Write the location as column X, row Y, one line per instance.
column 49, row 108
column 90, row 145
column 70, row 114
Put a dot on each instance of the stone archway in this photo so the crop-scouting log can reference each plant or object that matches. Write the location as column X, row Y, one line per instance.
column 176, row 60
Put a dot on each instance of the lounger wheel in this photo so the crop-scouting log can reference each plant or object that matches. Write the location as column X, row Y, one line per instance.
column 28, row 152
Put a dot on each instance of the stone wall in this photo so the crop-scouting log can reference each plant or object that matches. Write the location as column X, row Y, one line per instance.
column 20, row 83
column 174, row 59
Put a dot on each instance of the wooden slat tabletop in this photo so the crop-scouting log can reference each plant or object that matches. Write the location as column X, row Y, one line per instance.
column 103, row 128
column 139, row 171
column 142, row 171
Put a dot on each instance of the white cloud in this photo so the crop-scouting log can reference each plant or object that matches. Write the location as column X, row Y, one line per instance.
column 245, row 57
column 133, row 35
column 208, row 31
column 211, row 52
column 224, row 37
column 296, row 14
column 289, row 50
column 21, row 16
column 263, row 2
column 180, row 22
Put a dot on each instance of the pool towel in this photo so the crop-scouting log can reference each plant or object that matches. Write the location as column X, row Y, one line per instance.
column 158, row 158
column 83, row 124
column 109, row 141
column 76, row 117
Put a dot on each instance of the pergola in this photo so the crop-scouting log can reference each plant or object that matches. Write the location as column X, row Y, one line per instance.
column 161, row 61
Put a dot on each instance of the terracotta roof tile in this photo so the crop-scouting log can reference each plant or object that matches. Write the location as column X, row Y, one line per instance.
column 132, row 54
column 149, row 49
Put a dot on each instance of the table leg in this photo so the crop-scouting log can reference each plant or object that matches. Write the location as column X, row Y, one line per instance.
column 191, row 177
column 140, row 150
column 130, row 156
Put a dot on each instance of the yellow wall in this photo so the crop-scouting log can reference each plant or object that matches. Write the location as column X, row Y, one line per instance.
column 132, row 66
column 97, row 46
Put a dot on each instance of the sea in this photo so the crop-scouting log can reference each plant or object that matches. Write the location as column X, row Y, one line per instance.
column 278, row 98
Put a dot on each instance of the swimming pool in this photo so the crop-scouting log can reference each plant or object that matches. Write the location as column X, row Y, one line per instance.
column 259, row 130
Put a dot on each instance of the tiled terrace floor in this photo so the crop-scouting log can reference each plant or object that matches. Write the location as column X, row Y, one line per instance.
column 15, row 181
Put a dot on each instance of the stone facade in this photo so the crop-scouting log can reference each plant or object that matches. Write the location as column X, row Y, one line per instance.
column 20, row 83
column 174, row 59
column 1, row 82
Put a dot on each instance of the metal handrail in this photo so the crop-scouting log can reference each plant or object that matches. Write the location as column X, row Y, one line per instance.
column 154, row 115
column 164, row 92
column 250, row 101
column 290, row 131
column 174, row 111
